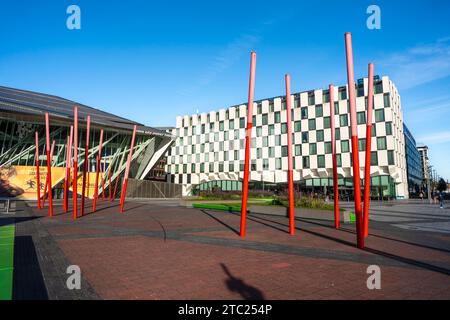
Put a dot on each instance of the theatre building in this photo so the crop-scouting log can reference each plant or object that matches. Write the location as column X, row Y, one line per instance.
column 210, row 147
column 22, row 114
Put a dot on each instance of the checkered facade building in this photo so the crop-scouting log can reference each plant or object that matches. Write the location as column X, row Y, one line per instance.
column 211, row 146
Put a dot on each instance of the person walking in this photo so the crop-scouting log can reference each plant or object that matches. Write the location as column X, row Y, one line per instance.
column 441, row 200
column 421, row 196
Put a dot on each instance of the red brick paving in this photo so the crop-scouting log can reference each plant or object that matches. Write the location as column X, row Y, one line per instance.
column 141, row 266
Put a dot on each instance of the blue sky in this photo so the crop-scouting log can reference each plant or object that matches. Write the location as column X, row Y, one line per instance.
column 153, row 60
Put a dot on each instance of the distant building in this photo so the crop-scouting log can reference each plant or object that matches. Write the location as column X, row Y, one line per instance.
column 424, row 162
column 210, row 147
column 414, row 168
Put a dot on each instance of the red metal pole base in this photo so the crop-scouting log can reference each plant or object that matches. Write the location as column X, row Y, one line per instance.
column 122, row 196
column 74, row 190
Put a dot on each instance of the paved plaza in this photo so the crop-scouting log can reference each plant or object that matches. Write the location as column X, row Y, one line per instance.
column 163, row 250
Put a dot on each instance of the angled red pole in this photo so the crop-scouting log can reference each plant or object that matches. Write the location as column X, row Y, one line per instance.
column 68, row 166
column 66, row 177
column 251, row 90
column 103, row 176
column 354, row 129
column 333, row 148
column 38, row 174
column 48, row 190
column 289, row 142
column 97, row 171
column 368, row 152
column 75, row 162
column 109, row 183
column 127, row 171
column 49, row 165
column 85, row 164
column 116, row 184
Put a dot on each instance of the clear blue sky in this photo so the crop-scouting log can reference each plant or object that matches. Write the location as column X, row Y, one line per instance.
column 153, row 60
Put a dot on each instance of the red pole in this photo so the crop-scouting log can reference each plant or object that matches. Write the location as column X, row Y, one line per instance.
column 68, row 165
column 67, row 175
column 38, row 174
column 49, row 168
column 46, row 189
column 333, row 148
column 354, row 128
column 251, row 90
column 127, row 171
column 115, row 188
column 94, row 202
column 103, row 176
column 75, row 162
column 368, row 152
column 85, row 164
column 109, row 183
column 289, row 142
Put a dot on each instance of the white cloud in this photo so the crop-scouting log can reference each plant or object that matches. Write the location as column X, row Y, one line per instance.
column 420, row 64
column 435, row 138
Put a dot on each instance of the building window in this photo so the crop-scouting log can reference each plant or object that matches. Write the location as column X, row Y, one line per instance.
column 265, row 141
column 328, row 148
column 304, row 113
column 271, row 152
column 338, row 160
column 202, row 167
column 337, row 134
column 391, row 161
column 254, row 121
column 259, row 108
column 342, row 93
column 321, row 161
column 381, row 143
column 297, row 126
column 379, row 115
column 305, row 137
column 271, row 106
column 326, row 96
column 283, row 127
column 305, row 161
column 319, row 111
column 361, row 117
column 388, row 128
column 298, row 149
column 284, row 151
column 387, row 100
column 336, row 108
column 258, row 131
column 311, row 98
column 231, row 167
column 327, row 122
column 277, row 117
column 231, row 124
column 319, row 135
column 259, row 153
column 283, row 104
column 345, row 146
column 312, row 148
column 378, row 87
column 271, row 129
column 242, row 123
column 278, row 140
column 265, row 119
column 343, row 120
column 265, row 164
column 373, row 158
column 362, row 144
column 296, row 101
column 221, row 126
column 312, row 124
column 278, row 163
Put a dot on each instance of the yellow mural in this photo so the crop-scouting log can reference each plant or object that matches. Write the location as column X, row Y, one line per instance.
column 21, row 182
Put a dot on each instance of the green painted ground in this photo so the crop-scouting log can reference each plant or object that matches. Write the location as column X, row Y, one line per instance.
column 6, row 261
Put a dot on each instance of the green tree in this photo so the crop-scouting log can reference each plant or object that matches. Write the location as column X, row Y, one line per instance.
column 442, row 185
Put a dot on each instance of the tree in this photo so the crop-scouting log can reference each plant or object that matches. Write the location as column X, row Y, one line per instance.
column 442, row 185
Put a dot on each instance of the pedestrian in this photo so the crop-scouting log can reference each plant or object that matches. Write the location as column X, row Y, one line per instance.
column 421, row 196
column 441, row 200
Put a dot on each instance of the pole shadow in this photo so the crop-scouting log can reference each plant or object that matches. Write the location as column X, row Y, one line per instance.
column 220, row 221
column 238, row 285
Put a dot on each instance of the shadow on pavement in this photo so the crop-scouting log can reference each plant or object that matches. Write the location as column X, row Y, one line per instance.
column 246, row 291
